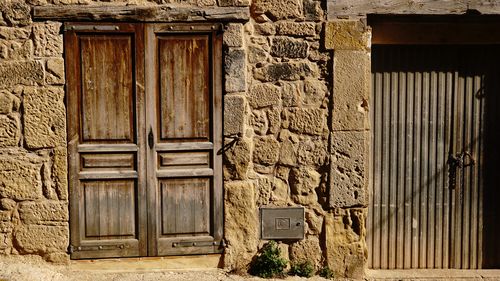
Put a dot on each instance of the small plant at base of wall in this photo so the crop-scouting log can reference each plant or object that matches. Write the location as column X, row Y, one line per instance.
column 303, row 269
column 326, row 272
column 269, row 263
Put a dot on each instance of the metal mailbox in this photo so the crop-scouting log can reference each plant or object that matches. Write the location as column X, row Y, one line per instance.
column 282, row 223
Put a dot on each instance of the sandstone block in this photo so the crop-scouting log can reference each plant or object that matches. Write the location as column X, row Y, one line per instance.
column 263, row 188
column 236, row 3
column 281, row 193
column 306, row 120
column 315, row 93
column 44, row 117
column 296, row 28
column 349, row 169
column 235, row 112
column 291, row 93
column 259, row 122
column 16, row 12
column 20, row 177
column 278, row 9
column 351, row 90
column 303, row 184
column 235, row 69
column 290, row 71
column 7, row 204
column 256, row 54
column 37, row 239
column 285, row 47
column 241, row 225
column 42, row 212
column 347, row 35
column 5, row 215
column 8, row 102
column 263, row 95
column 274, row 119
column 307, row 250
column 237, row 159
column 21, row 72
column 55, row 71
column 59, row 172
column 233, row 35
column 10, row 130
column 5, row 243
column 346, row 251
column 312, row 152
column 48, row 40
column 13, row 33
column 266, row 150
column 314, row 222
column 58, row 258
column 288, row 153
column 13, row 50
column 265, row 28
column 313, row 10
column 6, row 226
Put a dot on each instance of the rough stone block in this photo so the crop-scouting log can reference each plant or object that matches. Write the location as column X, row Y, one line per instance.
column 235, row 69
column 8, row 102
column 347, row 35
column 37, row 239
column 241, row 226
column 256, row 54
column 10, row 130
column 259, row 122
column 235, row 114
column 20, row 177
column 346, row 250
column 286, row 47
column 291, row 93
column 303, row 184
column 351, row 90
column 313, row 10
column 58, row 258
column 6, row 226
column 21, row 72
column 5, row 242
column 274, row 119
column 235, row 3
column 314, row 222
column 310, row 121
column 5, row 215
column 266, row 150
column 237, row 159
column 55, row 71
column 59, row 172
column 315, row 92
column 233, row 35
column 290, row 71
column 278, row 9
column 7, row 204
column 48, row 40
column 312, row 152
column 42, row 212
column 349, row 169
column 265, row 28
column 296, row 28
column 13, row 33
column 307, row 250
column 13, row 50
column 263, row 95
column 16, row 12
column 288, row 153
column 44, row 117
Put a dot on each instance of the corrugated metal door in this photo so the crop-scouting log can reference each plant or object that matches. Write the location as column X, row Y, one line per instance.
column 428, row 122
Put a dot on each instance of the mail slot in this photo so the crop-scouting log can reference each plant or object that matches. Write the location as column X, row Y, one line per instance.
column 282, row 223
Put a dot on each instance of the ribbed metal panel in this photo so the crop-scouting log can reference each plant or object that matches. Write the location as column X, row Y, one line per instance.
column 426, row 107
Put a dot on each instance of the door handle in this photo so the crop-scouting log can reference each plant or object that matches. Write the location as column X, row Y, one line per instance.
column 151, row 138
column 461, row 161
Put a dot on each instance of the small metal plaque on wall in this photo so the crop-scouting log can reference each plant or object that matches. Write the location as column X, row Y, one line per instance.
column 282, row 223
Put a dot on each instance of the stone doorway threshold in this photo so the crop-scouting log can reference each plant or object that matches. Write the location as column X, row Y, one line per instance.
column 433, row 274
column 149, row 264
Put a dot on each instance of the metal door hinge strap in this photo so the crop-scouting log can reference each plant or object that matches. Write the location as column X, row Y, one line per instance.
column 195, row 244
column 92, row 27
column 73, row 249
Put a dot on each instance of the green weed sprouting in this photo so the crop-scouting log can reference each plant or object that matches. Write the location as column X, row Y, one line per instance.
column 303, row 269
column 269, row 263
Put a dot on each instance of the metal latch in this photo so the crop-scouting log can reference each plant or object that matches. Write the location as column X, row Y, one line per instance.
column 72, row 249
column 92, row 27
column 181, row 244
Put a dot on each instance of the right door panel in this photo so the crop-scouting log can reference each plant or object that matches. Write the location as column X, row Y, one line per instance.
column 433, row 144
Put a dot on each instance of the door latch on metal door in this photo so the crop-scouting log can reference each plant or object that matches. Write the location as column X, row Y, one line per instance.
column 459, row 161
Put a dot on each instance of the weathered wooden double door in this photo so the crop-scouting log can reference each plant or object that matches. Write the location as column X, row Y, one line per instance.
column 435, row 152
column 144, row 128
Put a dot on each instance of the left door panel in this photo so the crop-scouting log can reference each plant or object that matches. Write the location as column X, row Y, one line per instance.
column 105, row 100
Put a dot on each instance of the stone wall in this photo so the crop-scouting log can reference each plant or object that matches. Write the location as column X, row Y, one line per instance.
column 295, row 120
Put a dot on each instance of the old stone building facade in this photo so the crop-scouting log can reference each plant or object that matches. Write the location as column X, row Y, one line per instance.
column 296, row 95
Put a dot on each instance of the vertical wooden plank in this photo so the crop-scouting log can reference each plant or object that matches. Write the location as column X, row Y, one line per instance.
column 447, row 206
column 410, row 122
column 392, row 186
column 432, row 172
column 416, row 223
column 401, row 150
